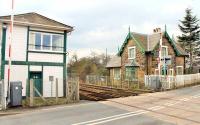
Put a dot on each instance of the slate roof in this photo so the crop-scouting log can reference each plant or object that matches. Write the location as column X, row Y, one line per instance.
column 37, row 20
column 149, row 42
column 114, row 62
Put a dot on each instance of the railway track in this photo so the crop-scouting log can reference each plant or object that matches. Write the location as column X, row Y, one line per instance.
column 97, row 93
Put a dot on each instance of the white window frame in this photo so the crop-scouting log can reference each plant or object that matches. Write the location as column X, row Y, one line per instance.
column 119, row 74
column 51, row 43
column 166, row 50
column 132, row 47
column 156, row 70
column 177, row 70
column 171, row 72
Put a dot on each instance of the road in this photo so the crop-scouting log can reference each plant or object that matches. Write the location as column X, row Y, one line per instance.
column 176, row 107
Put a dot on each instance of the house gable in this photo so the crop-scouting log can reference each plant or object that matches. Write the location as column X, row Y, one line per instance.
column 147, row 43
column 130, row 36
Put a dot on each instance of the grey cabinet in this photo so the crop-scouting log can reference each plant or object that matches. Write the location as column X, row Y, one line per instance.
column 16, row 93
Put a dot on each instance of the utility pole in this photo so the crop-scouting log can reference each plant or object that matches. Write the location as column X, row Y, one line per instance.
column 10, row 40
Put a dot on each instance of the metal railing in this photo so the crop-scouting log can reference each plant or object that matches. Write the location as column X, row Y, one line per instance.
column 110, row 81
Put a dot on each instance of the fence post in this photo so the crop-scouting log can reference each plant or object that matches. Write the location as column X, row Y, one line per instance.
column 3, row 96
column 56, row 90
column 67, row 82
column 77, row 89
column 106, row 80
column 31, row 92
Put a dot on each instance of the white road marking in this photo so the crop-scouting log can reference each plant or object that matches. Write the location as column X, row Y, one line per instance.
column 110, row 117
column 184, row 99
column 196, row 96
column 156, row 108
column 119, row 118
column 169, row 104
column 125, row 115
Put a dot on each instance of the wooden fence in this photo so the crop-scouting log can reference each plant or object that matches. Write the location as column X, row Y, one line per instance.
column 158, row 82
column 72, row 93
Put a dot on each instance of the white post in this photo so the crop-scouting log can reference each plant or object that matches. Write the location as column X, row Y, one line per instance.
column 31, row 92
column 10, row 47
column 56, row 90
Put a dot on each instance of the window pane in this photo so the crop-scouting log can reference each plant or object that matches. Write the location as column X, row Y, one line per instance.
column 130, row 73
column 164, row 51
column 37, row 41
column 116, row 73
column 57, row 42
column 179, row 70
column 32, row 41
column 132, row 53
column 46, row 42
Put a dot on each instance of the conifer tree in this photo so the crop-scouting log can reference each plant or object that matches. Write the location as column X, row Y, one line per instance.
column 190, row 36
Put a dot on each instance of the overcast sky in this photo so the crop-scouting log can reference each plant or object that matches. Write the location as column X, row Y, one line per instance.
column 101, row 24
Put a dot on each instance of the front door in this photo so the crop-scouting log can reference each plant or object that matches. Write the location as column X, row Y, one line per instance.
column 37, row 81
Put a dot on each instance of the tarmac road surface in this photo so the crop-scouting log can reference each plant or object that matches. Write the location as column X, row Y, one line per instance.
column 176, row 107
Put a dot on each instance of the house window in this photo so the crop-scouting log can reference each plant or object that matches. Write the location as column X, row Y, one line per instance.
column 164, row 51
column 57, row 42
column 179, row 70
column 171, row 72
column 116, row 73
column 164, row 70
column 156, row 72
column 130, row 73
column 46, row 41
column 131, row 52
column 38, row 41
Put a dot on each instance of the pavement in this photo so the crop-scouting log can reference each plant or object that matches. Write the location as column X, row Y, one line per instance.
column 176, row 107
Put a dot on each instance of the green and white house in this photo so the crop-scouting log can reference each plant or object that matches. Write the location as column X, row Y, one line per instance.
column 39, row 51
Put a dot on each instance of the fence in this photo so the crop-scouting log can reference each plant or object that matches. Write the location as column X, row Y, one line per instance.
column 54, row 95
column 113, row 82
column 169, row 82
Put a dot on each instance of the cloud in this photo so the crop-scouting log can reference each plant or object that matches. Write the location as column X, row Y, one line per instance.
column 101, row 24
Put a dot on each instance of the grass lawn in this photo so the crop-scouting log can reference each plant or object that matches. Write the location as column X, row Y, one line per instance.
column 48, row 101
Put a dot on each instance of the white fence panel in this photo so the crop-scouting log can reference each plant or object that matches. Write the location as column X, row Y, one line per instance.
column 179, row 80
column 152, row 81
column 170, row 82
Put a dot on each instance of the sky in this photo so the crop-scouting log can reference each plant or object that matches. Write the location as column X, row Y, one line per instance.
column 103, row 24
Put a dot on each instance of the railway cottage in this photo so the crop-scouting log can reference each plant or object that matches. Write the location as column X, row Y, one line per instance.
column 147, row 54
column 39, row 51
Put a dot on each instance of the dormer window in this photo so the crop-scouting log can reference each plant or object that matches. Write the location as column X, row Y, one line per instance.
column 131, row 52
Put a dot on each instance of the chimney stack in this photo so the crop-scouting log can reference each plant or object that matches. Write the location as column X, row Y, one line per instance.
column 157, row 30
